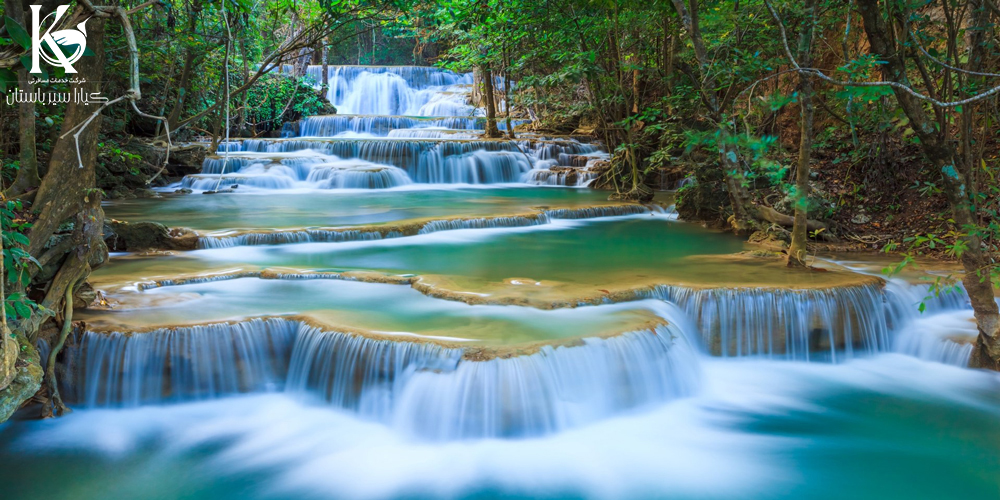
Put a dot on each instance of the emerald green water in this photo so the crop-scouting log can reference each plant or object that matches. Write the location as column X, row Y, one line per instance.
column 312, row 208
column 601, row 252
column 394, row 310
column 882, row 425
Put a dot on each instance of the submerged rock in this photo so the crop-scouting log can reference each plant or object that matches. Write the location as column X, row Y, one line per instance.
column 137, row 236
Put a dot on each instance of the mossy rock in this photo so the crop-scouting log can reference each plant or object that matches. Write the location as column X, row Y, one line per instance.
column 26, row 381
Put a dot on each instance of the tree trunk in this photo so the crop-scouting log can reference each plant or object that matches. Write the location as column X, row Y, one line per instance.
column 955, row 183
column 67, row 187
column 742, row 220
column 491, row 106
column 507, row 100
column 27, row 175
column 797, row 250
column 246, row 76
column 326, row 70
column 182, row 89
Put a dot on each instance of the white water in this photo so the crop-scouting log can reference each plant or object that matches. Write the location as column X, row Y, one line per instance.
column 397, row 125
column 878, row 428
column 419, row 388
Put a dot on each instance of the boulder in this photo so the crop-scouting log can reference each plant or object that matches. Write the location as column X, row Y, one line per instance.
column 27, row 378
column 139, row 236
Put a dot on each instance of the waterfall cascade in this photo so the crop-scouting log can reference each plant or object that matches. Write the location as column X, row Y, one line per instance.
column 446, row 391
column 398, row 125
column 426, row 389
column 265, row 309
column 826, row 324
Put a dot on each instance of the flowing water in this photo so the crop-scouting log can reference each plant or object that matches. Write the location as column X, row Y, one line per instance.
column 383, row 304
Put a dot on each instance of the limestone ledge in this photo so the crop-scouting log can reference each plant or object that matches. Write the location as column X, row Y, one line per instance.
column 523, row 291
column 476, row 352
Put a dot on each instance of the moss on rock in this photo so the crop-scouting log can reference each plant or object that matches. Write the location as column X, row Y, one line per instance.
column 26, row 381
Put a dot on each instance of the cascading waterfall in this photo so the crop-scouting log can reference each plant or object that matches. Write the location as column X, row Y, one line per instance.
column 358, row 373
column 357, row 177
column 551, row 390
column 547, row 177
column 944, row 331
column 794, row 324
column 181, row 364
column 296, row 236
column 394, row 126
column 415, row 119
column 395, row 90
column 425, row 389
column 824, row 324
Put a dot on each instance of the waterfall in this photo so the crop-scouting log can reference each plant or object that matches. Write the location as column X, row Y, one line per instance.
column 393, row 126
column 423, row 388
column 296, row 236
column 215, row 165
column 478, row 167
column 415, row 119
column 545, row 177
column 359, row 373
column 182, row 364
column 357, row 177
column 211, row 182
column 595, row 212
column 794, row 324
column 944, row 331
column 551, row 390
column 481, row 223
column 825, row 324
column 395, row 90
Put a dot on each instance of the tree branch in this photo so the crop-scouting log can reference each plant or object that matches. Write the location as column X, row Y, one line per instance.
column 822, row 76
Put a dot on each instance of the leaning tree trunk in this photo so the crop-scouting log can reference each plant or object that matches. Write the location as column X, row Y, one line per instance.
column 68, row 190
column 70, row 179
column 491, row 105
column 956, row 187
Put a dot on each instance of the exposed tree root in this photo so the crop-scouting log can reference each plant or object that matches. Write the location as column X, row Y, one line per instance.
column 54, row 406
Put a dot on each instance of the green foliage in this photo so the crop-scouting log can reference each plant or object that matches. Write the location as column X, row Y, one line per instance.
column 16, row 261
column 112, row 152
column 282, row 98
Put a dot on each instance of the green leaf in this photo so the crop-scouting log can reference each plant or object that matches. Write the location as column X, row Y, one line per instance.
column 22, row 310
column 8, row 79
column 20, row 238
column 17, row 32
